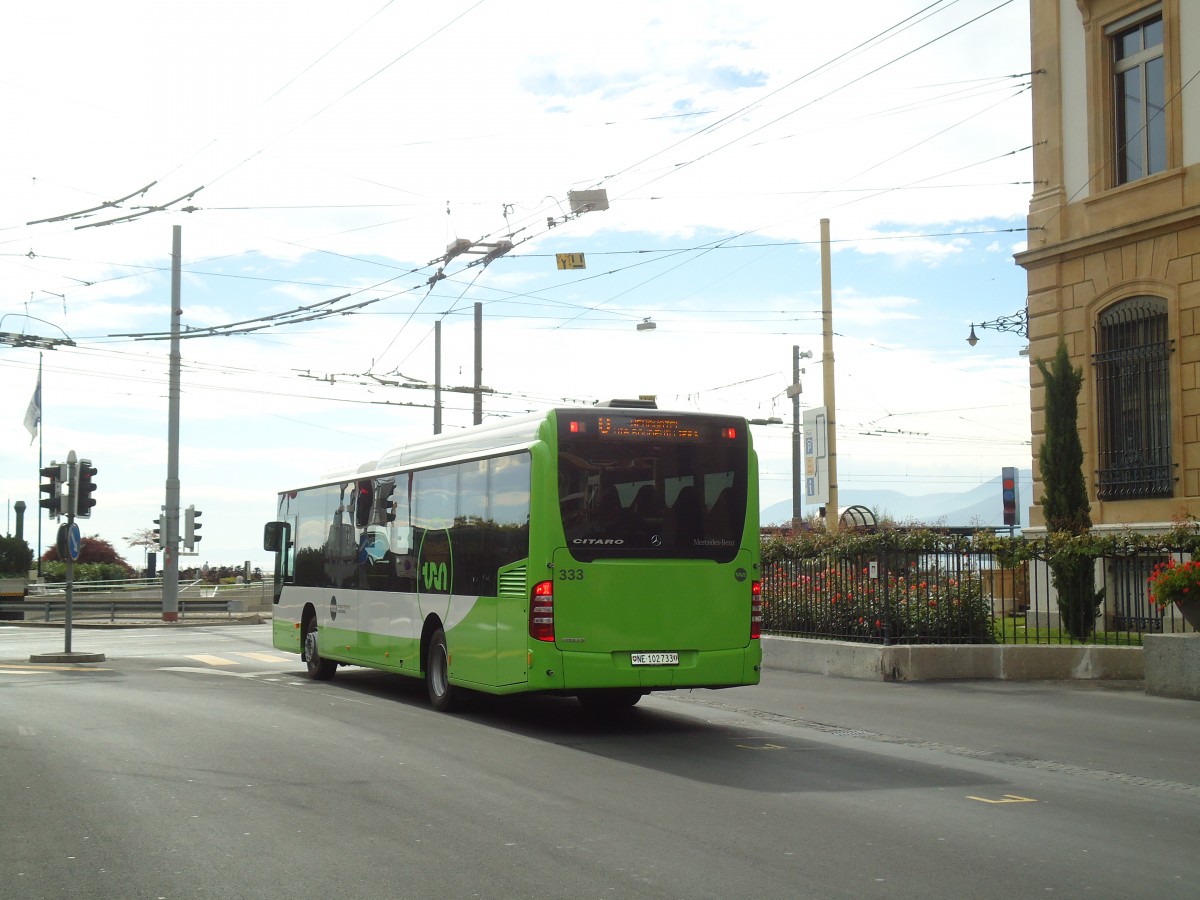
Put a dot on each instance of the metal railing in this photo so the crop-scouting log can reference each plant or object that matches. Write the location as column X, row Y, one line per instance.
column 135, row 597
column 895, row 597
column 53, row 609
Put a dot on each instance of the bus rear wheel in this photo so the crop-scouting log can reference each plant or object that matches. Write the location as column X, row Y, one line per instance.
column 443, row 696
column 318, row 669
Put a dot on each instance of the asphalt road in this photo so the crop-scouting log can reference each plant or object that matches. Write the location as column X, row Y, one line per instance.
column 197, row 761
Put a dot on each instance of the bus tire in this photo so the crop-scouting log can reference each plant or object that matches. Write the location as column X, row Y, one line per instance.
column 610, row 699
column 319, row 668
column 443, row 696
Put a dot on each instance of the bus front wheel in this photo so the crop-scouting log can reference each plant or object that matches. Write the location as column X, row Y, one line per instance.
column 319, row 669
column 443, row 696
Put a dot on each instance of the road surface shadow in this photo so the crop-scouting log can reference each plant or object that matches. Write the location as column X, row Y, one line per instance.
column 685, row 743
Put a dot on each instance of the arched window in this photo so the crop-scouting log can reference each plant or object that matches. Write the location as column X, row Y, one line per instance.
column 1133, row 389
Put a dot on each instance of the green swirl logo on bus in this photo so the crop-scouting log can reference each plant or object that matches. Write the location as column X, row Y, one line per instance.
column 435, row 577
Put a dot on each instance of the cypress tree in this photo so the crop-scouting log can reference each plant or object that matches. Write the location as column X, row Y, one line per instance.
column 1064, row 493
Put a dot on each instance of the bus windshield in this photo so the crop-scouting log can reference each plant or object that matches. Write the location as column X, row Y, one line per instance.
column 652, row 485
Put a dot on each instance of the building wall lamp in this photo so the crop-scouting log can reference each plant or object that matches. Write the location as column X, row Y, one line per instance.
column 1017, row 323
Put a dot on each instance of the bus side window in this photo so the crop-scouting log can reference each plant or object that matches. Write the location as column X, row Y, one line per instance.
column 401, row 539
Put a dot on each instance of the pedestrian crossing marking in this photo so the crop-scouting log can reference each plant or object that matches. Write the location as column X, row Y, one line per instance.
column 210, row 660
column 213, row 660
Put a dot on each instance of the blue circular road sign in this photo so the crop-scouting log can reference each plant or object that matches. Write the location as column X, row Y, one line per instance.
column 73, row 541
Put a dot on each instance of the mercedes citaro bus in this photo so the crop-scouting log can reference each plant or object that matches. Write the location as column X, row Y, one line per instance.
column 603, row 551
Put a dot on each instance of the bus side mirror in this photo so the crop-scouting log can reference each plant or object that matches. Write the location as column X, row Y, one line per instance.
column 276, row 536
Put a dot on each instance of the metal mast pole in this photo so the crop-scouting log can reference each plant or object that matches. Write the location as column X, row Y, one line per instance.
column 797, row 447
column 437, row 377
column 70, row 498
column 41, row 434
column 831, row 507
column 478, row 417
column 170, row 523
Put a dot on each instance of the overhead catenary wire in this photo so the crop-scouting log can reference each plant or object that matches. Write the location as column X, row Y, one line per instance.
column 294, row 318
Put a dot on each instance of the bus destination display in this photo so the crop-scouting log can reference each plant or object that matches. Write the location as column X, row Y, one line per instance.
column 658, row 427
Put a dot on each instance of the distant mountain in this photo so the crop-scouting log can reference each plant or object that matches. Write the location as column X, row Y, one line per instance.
column 980, row 506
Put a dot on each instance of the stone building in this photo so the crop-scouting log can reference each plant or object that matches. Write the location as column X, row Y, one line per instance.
column 1113, row 260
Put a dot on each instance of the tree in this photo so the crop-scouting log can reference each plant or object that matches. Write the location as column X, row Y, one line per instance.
column 143, row 537
column 15, row 556
column 92, row 550
column 1064, row 493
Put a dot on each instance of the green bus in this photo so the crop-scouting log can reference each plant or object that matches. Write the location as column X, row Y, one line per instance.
column 602, row 552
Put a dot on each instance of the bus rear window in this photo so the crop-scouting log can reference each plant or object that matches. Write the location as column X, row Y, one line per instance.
column 650, row 485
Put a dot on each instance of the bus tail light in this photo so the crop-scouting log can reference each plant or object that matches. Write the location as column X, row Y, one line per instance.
column 756, row 610
column 541, row 612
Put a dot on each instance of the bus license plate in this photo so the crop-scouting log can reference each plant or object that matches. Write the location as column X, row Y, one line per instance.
column 654, row 659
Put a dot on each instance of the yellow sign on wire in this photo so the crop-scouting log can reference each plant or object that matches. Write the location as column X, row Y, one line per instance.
column 570, row 260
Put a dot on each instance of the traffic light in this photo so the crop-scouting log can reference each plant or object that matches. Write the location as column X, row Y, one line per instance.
column 160, row 533
column 84, row 501
column 1008, row 492
column 362, row 506
column 52, row 487
column 191, row 527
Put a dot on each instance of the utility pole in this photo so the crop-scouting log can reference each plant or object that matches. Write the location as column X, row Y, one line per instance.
column 831, row 506
column 478, row 416
column 170, row 524
column 797, row 443
column 437, row 377
column 41, row 435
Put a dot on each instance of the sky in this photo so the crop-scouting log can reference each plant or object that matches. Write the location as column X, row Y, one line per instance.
column 319, row 160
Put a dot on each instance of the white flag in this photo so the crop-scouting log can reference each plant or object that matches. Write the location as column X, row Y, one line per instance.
column 33, row 415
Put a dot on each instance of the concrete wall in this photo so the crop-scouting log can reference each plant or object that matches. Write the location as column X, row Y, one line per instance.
column 1173, row 665
column 939, row 662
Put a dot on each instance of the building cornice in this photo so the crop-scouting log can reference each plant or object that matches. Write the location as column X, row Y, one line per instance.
column 1112, row 237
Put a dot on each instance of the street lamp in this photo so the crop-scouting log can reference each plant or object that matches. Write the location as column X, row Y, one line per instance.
column 1017, row 323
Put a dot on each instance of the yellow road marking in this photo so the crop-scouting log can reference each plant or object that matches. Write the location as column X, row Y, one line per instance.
column 213, row 660
column 1008, row 798
column 33, row 669
column 265, row 657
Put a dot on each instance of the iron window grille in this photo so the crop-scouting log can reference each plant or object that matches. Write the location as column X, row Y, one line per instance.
column 1133, row 390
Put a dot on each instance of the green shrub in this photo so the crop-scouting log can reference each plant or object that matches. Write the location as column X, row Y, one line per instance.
column 54, row 571
column 926, row 590
column 918, row 604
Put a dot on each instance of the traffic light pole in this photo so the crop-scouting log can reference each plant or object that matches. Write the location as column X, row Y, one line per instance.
column 62, row 495
column 69, row 612
column 41, row 434
column 170, row 525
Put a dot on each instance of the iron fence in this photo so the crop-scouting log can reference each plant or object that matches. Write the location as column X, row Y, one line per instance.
column 961, row 596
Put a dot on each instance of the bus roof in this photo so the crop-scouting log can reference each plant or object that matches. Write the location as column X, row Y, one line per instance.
column 505, row 434
column 517, row 431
